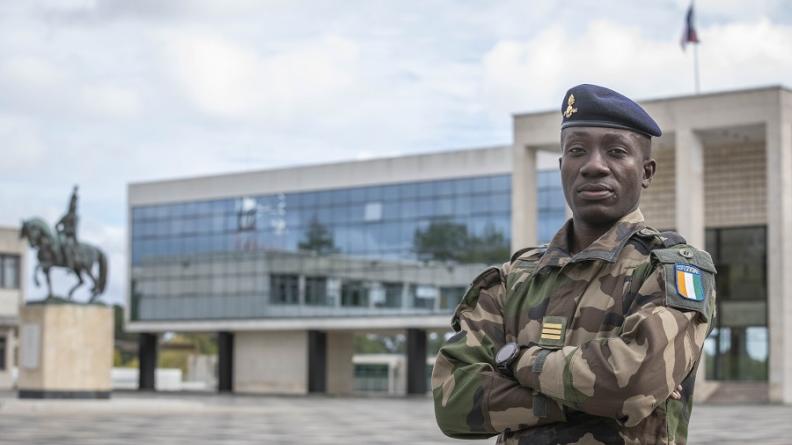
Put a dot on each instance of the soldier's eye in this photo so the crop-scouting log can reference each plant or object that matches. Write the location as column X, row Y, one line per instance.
column 617, row 151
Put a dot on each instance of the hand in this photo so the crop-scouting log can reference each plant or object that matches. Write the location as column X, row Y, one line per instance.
column 677, row 394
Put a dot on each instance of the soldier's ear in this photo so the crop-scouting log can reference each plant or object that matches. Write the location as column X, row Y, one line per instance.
column 649, row 169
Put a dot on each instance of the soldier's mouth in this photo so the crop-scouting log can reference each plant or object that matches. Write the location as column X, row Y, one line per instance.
column 594, row 192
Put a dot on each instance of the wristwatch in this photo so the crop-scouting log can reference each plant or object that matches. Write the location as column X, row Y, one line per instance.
column 505, row 357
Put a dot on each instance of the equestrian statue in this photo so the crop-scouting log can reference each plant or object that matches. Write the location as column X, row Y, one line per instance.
column 64, row 250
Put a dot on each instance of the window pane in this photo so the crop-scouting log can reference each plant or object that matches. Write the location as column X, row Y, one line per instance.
column 450, row 296
column 480, row 185
column 354, row 293
column 424, row 297
column 373, row 211
column 463, row 186
column 316, row 291
column 390, row 192
column 410, row 190
column 374, row 193
column 11, row 272
column 284, row 289
column 501, row 183
column 393, row 295
column 444, row 188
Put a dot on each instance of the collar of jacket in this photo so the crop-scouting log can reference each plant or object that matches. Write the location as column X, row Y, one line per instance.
column 607, row 247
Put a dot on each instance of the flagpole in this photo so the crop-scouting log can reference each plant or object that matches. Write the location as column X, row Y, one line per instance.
column 695, row 54
column 696, row 68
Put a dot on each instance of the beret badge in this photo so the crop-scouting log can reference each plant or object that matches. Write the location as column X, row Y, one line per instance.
column 570, row 109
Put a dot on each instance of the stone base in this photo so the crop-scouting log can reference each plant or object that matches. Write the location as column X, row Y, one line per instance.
column 33, row 394
column 66, row 351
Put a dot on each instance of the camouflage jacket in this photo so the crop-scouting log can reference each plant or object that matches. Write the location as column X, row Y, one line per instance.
column 606, row 335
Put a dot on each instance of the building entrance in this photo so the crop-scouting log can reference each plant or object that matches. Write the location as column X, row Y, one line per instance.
column 737, row 348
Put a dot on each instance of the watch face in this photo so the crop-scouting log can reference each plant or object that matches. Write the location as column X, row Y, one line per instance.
column 506, row 352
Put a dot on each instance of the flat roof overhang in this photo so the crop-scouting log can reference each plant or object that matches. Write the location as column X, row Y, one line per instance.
column 369, row 323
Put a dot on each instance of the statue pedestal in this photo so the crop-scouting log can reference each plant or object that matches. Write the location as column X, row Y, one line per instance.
column 66, row 351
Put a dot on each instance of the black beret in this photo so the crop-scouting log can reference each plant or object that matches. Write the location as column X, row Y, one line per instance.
column 595, row 106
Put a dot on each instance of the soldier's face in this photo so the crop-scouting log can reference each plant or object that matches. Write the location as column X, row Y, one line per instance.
column 603, row 171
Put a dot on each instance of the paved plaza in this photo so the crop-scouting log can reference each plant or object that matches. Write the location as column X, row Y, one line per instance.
column 131, row 418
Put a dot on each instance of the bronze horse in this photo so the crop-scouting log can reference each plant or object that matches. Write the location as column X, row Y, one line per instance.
column 51, row 254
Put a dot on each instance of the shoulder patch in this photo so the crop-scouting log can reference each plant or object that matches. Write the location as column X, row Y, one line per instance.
column 689, row 278
column 689, row 282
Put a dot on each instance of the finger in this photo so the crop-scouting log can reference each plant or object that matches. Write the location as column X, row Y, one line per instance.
column 676, row 395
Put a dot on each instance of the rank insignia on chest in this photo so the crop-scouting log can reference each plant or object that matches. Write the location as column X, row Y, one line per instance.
column 553, row 331
column 689, row 284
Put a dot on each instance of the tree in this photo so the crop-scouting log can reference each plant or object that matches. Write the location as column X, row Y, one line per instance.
column 318, row 239
column 450, row 241
column 441, row 241
column 489, row 248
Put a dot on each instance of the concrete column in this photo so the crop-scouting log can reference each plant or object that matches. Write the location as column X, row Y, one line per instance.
column 340, row 368
column 317, row 361
column 147, row 361
column 524, row 206
column 779, row 256
column 225, row 361
column 689, row 181
column 416, row 361
column 689, row 213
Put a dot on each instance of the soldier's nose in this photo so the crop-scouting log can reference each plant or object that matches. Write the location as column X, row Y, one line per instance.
column 595, row 166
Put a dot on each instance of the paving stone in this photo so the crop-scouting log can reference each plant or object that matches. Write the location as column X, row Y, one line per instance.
column 166, row 418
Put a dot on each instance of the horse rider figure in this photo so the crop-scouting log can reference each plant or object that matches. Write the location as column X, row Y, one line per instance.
column 67, row 232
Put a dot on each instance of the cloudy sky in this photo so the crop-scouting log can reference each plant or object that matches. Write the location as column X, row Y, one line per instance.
column 107, row 92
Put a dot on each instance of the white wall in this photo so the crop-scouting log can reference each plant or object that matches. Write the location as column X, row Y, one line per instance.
column 271, row 362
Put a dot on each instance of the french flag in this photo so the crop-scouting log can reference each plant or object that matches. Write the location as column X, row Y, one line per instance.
column 690, row 35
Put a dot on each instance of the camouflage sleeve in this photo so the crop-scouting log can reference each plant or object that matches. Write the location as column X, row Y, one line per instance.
column 625, row 377
column 471, row 398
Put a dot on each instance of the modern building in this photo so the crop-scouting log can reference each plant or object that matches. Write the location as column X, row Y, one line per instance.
column 12, row 260
column 287, row 265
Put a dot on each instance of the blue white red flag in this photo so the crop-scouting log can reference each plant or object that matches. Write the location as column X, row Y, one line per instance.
column 690, row 35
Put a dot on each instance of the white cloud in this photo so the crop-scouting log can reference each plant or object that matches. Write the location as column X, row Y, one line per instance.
column 30, row 72
column 758, row 51
column 110, row 101
column 227, row 79
column 533, row 74
column 22, row 145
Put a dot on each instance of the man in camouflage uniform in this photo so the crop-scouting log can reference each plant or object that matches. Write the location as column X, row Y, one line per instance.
column 596, row 337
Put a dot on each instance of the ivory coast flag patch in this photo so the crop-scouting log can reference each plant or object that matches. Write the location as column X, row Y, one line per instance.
column 688, row 282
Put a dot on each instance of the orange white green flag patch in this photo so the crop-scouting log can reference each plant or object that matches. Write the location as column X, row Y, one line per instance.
column 688, row 282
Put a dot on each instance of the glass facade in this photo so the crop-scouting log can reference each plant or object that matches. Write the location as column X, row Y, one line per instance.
column 551, row 204
column 737, row 348
column 407, row 248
